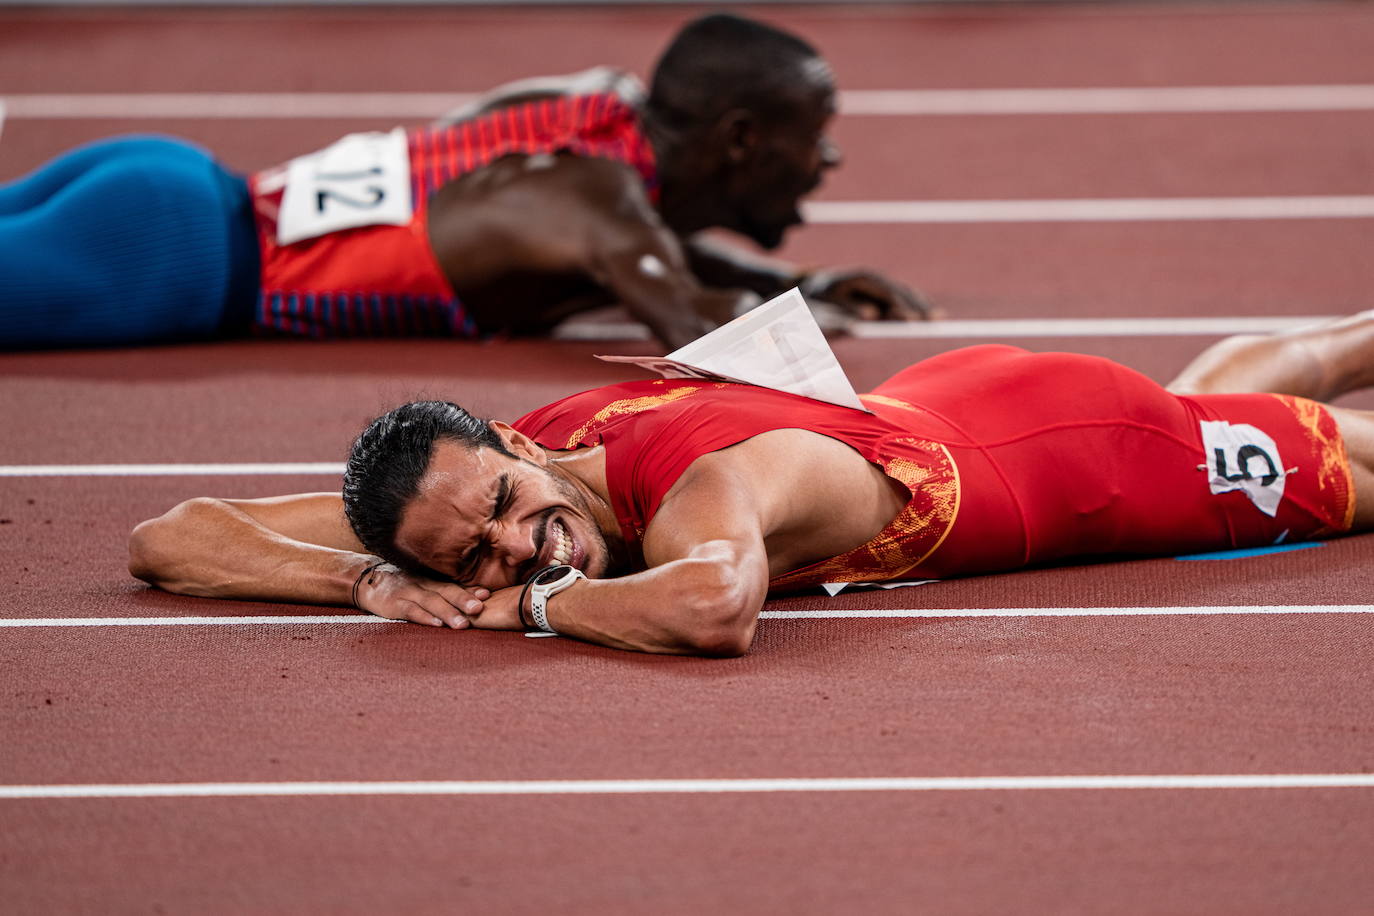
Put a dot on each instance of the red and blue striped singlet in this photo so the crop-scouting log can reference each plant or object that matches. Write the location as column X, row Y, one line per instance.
column 384, row 280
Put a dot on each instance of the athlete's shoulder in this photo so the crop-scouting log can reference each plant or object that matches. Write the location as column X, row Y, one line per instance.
column 595, row 81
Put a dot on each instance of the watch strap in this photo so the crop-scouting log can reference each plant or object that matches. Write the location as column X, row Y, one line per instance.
column 540, row 595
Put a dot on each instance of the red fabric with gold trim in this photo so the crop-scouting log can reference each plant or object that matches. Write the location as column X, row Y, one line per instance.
column 1012, row 459
column 653, row 430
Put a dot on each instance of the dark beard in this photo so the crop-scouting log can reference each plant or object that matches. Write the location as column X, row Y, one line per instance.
column 613, row 549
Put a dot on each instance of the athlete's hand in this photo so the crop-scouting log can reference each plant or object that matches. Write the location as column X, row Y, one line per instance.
column 500, row 611
column 867, row 296
column 390, row 592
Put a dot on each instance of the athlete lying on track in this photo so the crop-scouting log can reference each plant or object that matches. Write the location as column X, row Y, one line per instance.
column 686, row 502
column 531, row 206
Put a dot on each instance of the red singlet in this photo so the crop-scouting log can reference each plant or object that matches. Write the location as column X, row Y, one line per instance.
column 1012, row 458
column 385, row 280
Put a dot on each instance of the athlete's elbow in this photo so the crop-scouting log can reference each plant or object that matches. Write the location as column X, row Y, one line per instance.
column 724, row 612
column 157, row 546
column 726, row 640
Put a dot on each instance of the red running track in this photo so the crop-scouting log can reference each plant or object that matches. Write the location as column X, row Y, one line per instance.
column 951, row 696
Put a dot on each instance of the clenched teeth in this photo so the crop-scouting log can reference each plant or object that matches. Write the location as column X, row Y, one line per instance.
column 562, row 544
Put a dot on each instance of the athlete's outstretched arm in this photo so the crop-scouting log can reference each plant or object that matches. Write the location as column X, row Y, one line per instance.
column 561, row 216
column 632, row 252
column 296, row 549
column 858, row 293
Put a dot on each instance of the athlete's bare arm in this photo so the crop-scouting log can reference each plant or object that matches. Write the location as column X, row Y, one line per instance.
column 574, row 225
column 734, row 519
column 857, row 293
column 297, row 549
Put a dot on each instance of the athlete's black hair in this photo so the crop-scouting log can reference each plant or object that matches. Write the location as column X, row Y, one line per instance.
column 388, row 460
column 723, row 61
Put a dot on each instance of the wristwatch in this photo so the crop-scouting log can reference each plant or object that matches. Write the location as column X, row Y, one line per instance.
column 545, row 584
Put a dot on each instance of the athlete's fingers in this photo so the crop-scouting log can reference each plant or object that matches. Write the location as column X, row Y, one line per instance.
column 409, row 610
column 439, row 608
column 464, row 599
column 872, row 296
column 888, row 300
column 425, row 607
column 451, row 602
column 914, row 306
column 864, row 295
column 397, row 595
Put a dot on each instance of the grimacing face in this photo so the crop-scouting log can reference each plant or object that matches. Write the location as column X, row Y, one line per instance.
column 791, row 161
column 486, row 519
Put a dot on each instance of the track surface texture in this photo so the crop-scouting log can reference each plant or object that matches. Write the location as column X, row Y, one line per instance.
column 993, row 744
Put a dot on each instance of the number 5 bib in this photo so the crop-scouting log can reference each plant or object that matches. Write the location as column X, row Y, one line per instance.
column 361, row 180
column 1241, row 457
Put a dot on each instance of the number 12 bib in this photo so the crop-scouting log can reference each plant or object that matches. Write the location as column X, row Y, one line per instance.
column 361, row 180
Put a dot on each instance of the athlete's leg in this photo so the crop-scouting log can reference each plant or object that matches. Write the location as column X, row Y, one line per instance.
column 32, row 190
column 1357, row 429
column 121, row 242
column 1317, row 362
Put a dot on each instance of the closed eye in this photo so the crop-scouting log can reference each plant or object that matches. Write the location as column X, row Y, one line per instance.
column 504, row 497
column 471, row 561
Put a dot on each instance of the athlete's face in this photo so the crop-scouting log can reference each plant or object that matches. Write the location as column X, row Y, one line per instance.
column 790, row 160
column 486, row 519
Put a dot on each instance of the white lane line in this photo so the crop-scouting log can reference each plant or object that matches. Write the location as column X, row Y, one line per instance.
column 1086, row 327
column 696, row 786
column 231, row 105
column 889, row 613
column 192, row 621
column 919, row 613
column 1004, row 328
column 1102, row 100
column 1090, row 210
column 334, row 468
column 854, row 102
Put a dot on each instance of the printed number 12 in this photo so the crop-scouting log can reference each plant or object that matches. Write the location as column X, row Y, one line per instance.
column 321, row 197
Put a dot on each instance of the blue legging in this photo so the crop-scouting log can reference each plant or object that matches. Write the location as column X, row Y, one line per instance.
column 125, row 241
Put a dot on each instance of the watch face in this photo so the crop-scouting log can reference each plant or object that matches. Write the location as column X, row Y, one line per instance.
column 550, row 574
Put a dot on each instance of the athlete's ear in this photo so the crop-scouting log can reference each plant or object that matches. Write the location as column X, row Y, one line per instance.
column 738, row 130
column 519, row 444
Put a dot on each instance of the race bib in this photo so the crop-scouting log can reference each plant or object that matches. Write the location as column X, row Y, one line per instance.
column 362, row 180
column 1240, row 457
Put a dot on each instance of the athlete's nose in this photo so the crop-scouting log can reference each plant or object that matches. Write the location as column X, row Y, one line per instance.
column 515, row 544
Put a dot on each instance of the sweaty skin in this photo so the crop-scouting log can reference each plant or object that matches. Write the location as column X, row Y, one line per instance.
column 570, row 235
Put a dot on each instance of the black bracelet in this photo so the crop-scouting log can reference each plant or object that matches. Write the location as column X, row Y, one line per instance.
column 520, row 608
column 359, row 581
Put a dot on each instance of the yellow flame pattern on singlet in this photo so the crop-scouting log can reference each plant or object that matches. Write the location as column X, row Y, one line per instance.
column 634, row 405
column 917, row 531
column 1334, row 481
